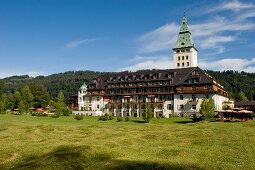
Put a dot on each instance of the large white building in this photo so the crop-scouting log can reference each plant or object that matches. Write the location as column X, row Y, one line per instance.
column 171, row 91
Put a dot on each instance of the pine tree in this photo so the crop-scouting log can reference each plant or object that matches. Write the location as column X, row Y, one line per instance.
column 148, row 113
column 21, row 107
column 2, row 108
column 242, row 97
column 26, row 97
column 60, row 103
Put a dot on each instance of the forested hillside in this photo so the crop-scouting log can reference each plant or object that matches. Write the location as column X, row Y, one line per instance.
column 240, row 85
column 69, row 83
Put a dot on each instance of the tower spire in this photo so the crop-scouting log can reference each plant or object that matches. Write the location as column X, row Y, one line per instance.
column 184, row 37
column 185, row 52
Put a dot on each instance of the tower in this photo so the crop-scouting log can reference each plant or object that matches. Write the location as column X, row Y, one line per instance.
column 184, row 52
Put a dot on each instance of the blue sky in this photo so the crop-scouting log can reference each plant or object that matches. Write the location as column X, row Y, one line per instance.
column 41, row 37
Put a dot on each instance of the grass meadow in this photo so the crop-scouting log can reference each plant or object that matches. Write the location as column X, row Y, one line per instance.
column 30, row 142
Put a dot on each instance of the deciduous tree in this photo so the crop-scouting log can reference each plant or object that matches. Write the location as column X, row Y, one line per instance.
column 207, row 108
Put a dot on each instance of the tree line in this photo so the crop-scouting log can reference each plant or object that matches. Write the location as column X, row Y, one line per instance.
column 240, row 86
column 28, row 98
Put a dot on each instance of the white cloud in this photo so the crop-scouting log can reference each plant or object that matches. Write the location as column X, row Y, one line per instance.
column 238, row 64
column 166, row 62
column 233, row 5
column 77, row 43
column 160, row 39
column 214, row 40
column 207, row 34
column 4, row 74
column 213, row 33
column 250, row 69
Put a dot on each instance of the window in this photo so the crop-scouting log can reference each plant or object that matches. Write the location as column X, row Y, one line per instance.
column 194, row 107
column 193, row 97
column 181, row 97
column 179, row 58
column 182, row 57
column 181, row 107
column 178, row 64
column 98, row 98
column 193, row 88
column 169, row 107
column 187, row 57
column 169, row 97
column 114, row 79
column 178, row 51
column 98, row 106
column 187, row 63
column 182, row 64
column 207, row 87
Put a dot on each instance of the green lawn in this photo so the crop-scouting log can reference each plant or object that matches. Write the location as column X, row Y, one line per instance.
column 28, row 142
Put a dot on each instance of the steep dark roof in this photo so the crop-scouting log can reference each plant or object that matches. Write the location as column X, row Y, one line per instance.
column 180, row 77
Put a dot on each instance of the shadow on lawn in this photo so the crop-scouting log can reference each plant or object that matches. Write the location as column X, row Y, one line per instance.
column 138, row 121
column 81, row 157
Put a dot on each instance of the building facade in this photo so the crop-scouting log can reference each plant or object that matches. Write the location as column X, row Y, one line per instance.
column 168, row 92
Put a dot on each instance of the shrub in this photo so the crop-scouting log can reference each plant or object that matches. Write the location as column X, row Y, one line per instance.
column 55, row 116
column 100, row 118
column 127, row 119
column 16, row 113
column 78, row 117
column 66, row 111
column 111, row 117
column 33, row 113
column 253, row 115
column 119, row 119
column 41, row 114
column 105, row 118
column 196, row 118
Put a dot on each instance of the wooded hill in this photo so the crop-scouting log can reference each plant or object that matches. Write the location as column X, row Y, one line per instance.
column 69, row 83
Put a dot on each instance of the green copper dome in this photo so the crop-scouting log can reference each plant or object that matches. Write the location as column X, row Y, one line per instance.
column 184, row 37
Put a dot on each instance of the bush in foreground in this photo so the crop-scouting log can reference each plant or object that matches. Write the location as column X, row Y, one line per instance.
column 66, row 111
column 78, row 117
column 119, row 119
column 111, row 117
column 100, row 118
column 127, row 119
column 55, row 116
column 105, row 117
